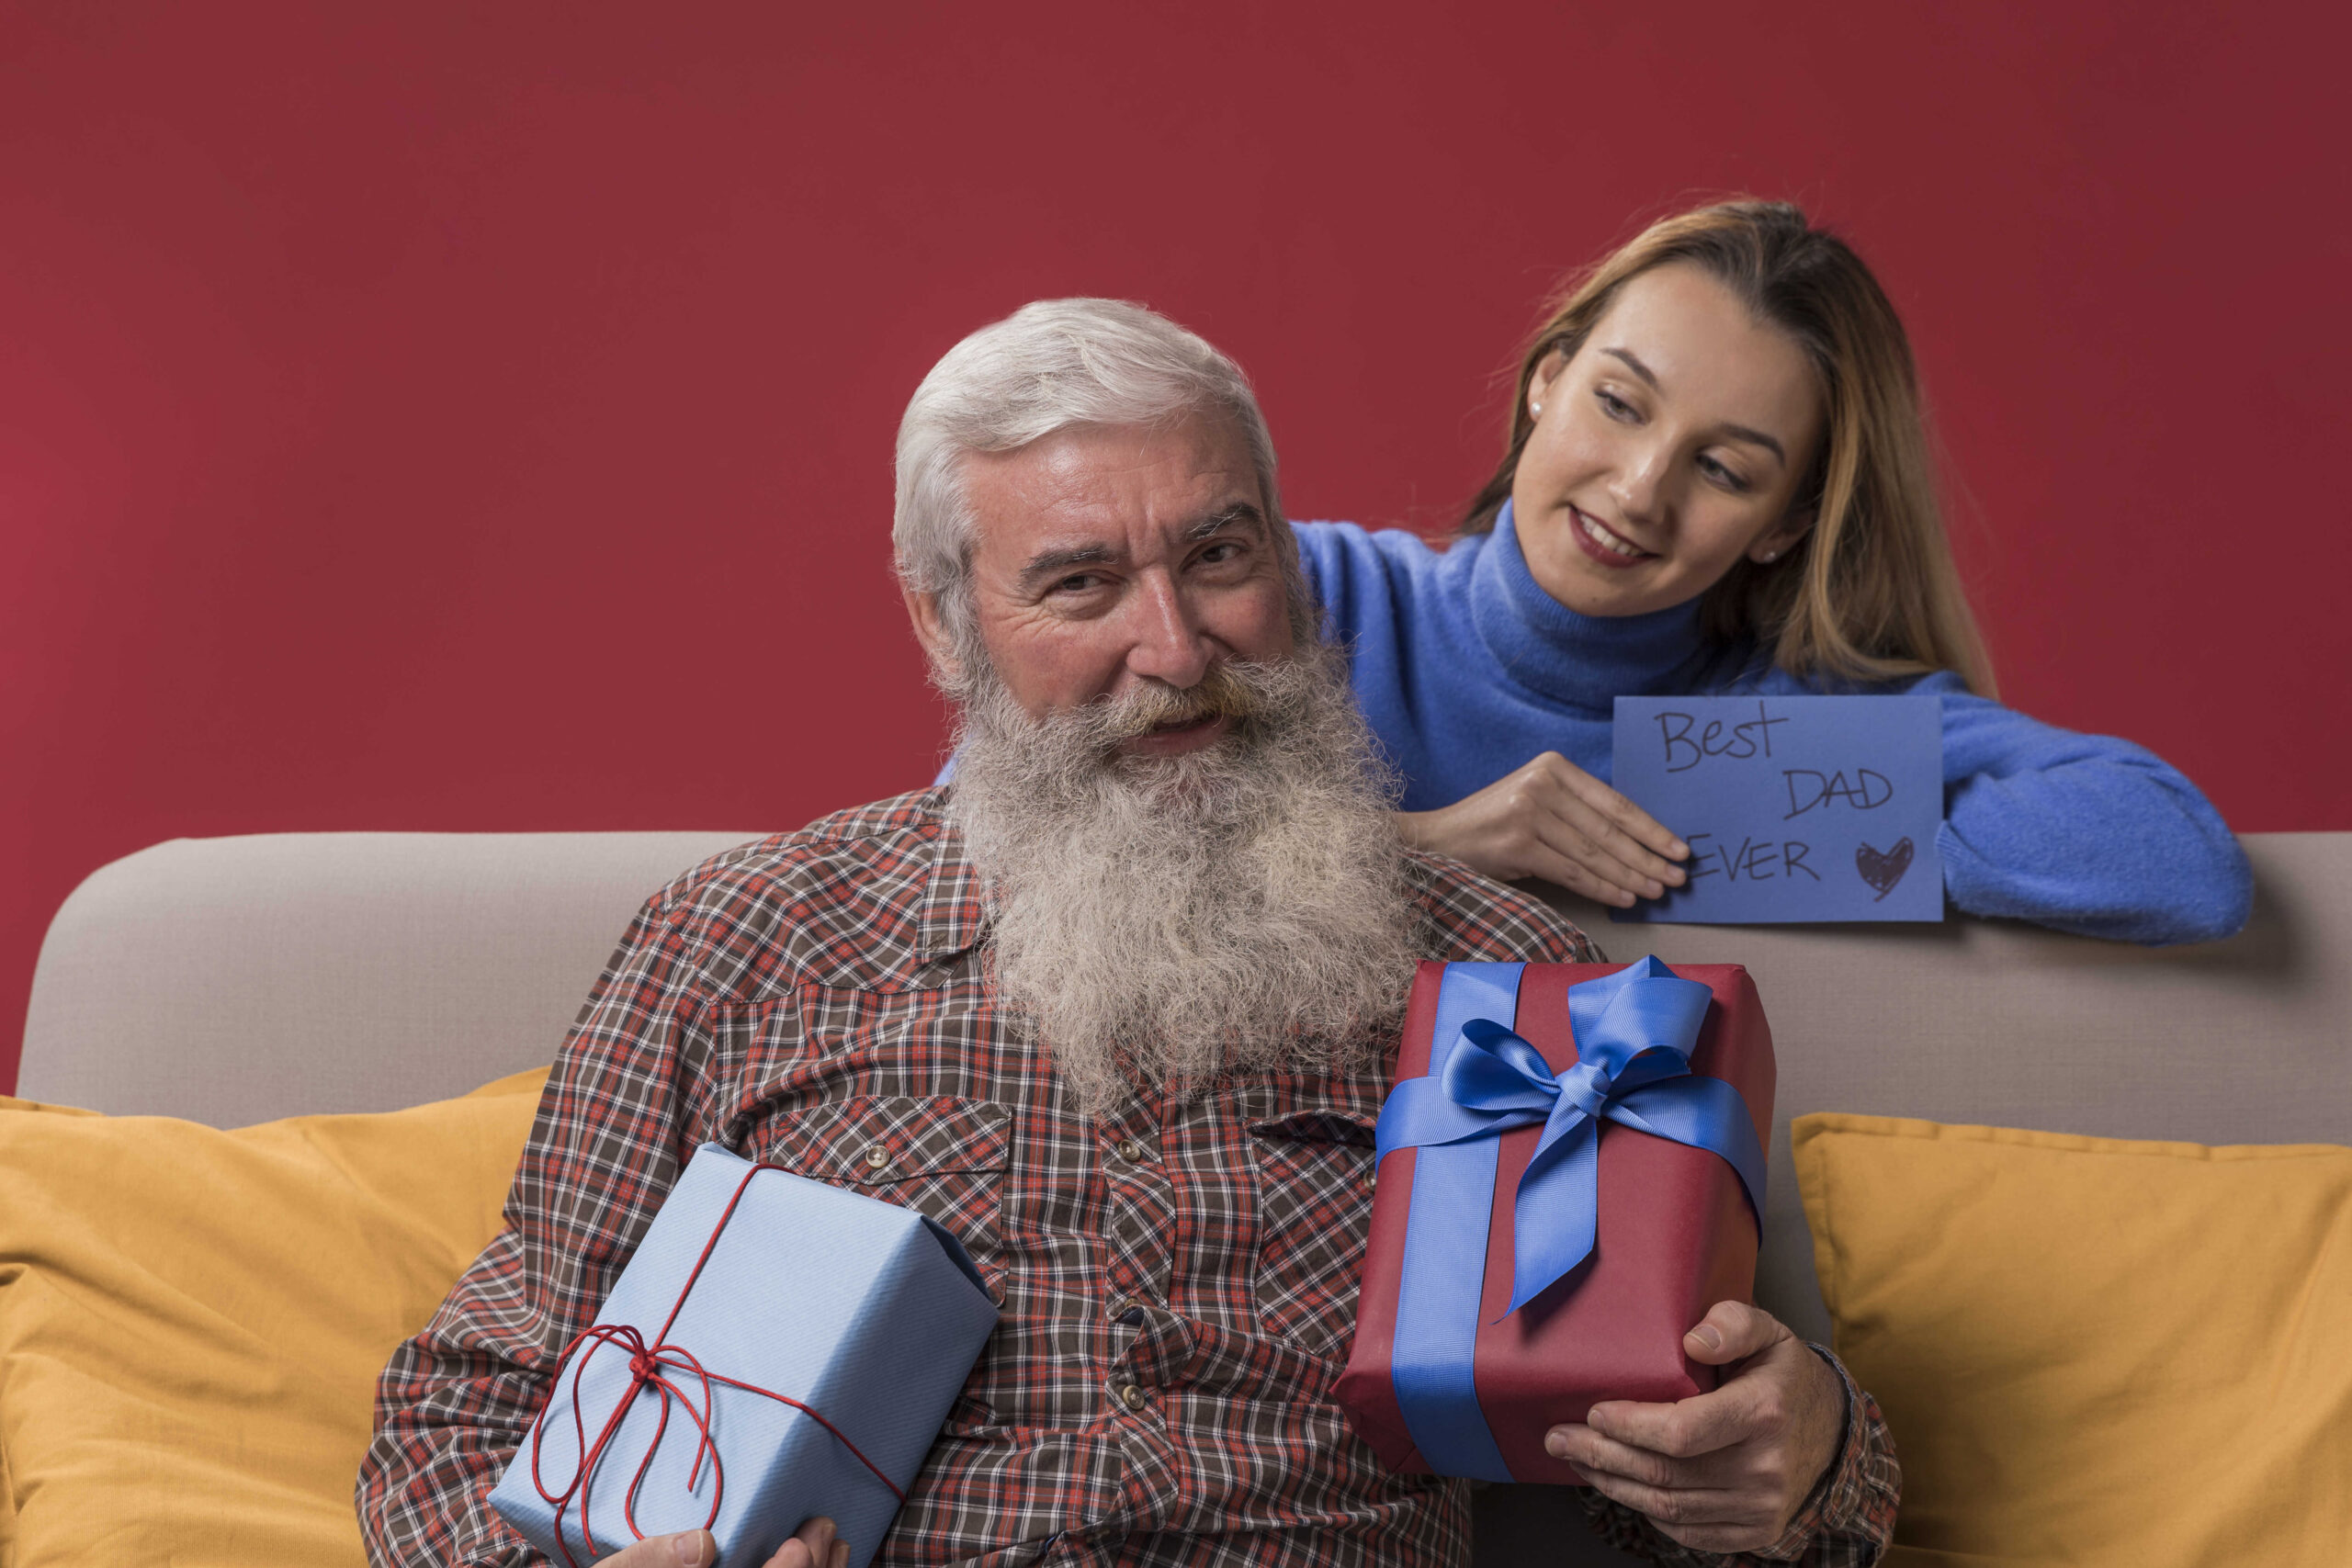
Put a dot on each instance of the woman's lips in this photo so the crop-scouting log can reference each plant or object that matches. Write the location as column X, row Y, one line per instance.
column 1590, row 536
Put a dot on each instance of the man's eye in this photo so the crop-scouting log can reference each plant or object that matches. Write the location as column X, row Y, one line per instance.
column 1218, row 553
column 1616, row 407
column 1078, row 583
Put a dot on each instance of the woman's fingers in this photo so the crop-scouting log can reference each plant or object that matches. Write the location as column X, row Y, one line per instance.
column 1634, row 836
column 1576, row 829
column 1563, row 869
column 1552, row 819
column 1621, row 814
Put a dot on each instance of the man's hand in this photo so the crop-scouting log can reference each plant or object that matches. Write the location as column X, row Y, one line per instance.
column 1553, row 819
column 814, row 1547
column 1726, row 1470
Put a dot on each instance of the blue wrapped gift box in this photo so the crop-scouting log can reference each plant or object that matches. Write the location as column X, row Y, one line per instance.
column 818, row 1335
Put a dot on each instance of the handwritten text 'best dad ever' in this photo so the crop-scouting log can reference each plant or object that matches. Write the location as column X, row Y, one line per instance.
column 1795, row 808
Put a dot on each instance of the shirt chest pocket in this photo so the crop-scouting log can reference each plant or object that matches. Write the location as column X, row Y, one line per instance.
column 946, row 1158
column 1313, row 1209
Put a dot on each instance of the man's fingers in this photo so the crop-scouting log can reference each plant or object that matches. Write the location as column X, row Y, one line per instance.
column 1680, row 1509
column 691, row 1548
column 1685, row 1430
column 813, row 1545
column 1733, row 1331
column 1597, row 1454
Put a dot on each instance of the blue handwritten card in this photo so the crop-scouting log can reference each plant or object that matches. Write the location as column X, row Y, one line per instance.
column 1795, row 808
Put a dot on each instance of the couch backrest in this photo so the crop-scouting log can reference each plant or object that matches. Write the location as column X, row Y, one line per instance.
column 233, row 980
column 2248, row 1040
column 239, row 980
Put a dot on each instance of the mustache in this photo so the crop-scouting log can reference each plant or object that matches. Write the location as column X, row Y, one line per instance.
column 1227, row 691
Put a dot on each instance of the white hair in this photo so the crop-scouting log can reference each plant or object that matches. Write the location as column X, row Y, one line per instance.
column 1161, row 923
column 1050, row 365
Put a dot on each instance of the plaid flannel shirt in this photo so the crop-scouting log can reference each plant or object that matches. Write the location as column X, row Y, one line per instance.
column 1178, row 1282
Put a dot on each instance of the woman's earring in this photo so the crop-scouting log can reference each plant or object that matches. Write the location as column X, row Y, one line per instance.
column 1535, row 411
column 1771, row 556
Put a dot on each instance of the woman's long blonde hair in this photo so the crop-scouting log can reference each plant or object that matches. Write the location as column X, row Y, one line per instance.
column 1871, row 592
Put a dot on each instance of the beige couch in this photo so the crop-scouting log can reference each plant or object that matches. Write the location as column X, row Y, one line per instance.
column 234, row 980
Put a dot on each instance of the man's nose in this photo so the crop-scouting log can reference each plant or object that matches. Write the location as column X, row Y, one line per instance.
column 1169, row 643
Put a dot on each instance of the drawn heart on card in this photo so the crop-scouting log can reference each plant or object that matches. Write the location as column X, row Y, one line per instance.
column 1883, row 871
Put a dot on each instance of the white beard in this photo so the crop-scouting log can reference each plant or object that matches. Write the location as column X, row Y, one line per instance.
column 1160, row 921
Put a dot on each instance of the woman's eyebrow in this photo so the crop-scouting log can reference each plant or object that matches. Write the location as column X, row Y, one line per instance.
column 1756, row 438
column 1736, row 432
column 1634, row 363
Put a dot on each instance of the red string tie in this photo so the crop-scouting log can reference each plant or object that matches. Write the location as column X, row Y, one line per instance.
column 652, row 1366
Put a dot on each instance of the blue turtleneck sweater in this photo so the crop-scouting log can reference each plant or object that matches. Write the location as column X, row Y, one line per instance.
column 1466, row 670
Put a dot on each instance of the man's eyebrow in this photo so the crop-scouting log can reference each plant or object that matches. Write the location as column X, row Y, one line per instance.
column 1736, row 432
column 1051, row 563
column 1240, row 512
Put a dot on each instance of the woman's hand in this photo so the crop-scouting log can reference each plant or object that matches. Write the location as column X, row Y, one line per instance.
column 1553, row 819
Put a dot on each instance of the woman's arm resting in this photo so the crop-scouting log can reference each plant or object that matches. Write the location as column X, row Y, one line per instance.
column 2084, row 833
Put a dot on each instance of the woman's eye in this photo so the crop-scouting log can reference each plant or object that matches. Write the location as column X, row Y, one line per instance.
column 1615, row 407
column 1721, row 475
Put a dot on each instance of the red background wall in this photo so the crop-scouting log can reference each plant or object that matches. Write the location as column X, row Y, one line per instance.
column 479, row 416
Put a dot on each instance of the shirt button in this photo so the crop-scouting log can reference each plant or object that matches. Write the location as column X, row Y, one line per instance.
column 1130, row 1151
column 878, row 1156
column 1134, row 1397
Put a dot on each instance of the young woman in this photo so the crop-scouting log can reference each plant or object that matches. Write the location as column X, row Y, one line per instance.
column 1716, row 482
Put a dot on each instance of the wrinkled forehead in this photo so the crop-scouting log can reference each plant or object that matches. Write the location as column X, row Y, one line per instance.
column 1130, row 488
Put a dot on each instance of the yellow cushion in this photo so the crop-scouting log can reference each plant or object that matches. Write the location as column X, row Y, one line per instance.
column 2094, row 1352
column 192, row 1321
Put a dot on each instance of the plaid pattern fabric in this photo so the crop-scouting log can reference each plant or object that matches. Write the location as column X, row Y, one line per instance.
column 1177, row 1282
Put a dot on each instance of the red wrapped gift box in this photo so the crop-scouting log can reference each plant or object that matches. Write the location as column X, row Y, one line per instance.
column 1674, row 1234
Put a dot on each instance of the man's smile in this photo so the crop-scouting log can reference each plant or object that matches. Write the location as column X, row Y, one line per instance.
column 1176, row 738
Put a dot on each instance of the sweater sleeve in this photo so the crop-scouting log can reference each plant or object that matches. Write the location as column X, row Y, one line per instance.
column 2084, row 833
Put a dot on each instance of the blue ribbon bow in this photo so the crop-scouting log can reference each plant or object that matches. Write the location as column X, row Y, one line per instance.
column 1635, row 1031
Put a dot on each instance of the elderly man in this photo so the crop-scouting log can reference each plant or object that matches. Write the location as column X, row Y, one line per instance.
column 1114, row 1009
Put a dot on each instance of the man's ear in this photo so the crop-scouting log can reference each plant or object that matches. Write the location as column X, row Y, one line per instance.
column 1782, row 537
column 931, row 630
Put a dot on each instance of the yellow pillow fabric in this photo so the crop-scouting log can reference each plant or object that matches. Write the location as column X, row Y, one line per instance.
column 192, row 1321
column 2094, row 1352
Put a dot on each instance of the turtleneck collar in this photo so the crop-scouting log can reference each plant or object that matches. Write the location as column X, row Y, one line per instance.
column 1585, row 661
